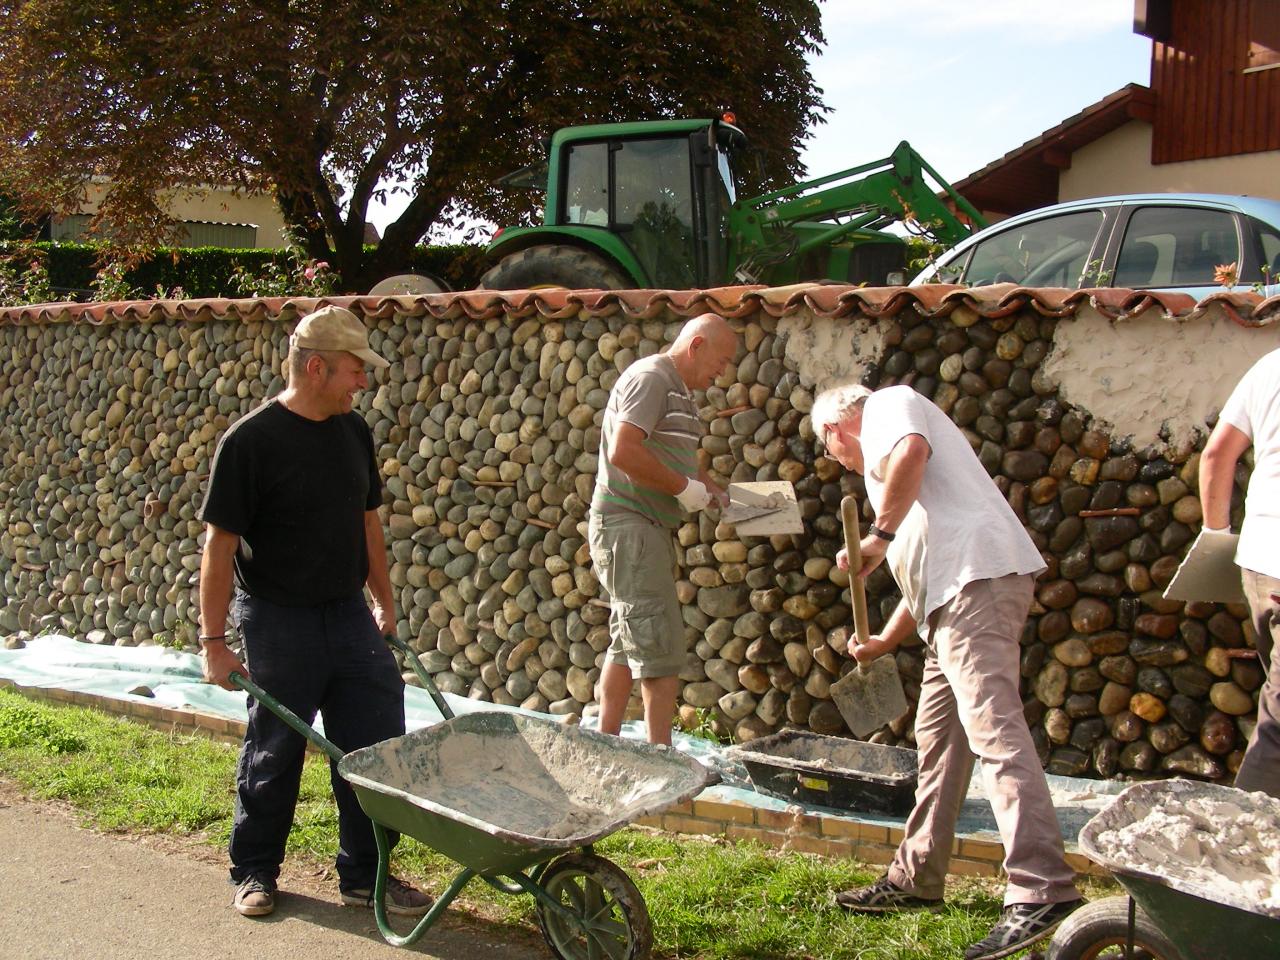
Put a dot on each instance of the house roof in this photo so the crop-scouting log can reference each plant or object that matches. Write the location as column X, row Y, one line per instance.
column 823, row 300
column 1027, row 178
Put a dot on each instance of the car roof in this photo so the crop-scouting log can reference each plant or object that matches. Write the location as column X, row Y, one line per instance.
column 1264, row 208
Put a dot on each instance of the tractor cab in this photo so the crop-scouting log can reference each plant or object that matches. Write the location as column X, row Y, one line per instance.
column 650, row 198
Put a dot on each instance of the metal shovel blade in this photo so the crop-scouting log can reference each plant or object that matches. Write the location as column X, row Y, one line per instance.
column 870, row 696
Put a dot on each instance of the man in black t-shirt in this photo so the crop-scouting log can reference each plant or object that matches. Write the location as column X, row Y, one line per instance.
column 292, row 537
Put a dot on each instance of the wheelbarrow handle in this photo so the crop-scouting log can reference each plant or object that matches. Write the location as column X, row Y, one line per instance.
column 411, row 658
column 288, row 716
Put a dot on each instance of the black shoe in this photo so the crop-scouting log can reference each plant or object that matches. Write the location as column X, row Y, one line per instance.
column 255, row 897
column 884, row 896
column 401, row 898
column 1019, row 926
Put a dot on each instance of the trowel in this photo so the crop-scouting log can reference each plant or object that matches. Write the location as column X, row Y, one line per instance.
column 871, row 695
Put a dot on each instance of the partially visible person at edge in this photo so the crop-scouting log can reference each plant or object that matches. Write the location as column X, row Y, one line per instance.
column 292, row 538
column 1252, row 417
column 965, row 567
column 648, row 477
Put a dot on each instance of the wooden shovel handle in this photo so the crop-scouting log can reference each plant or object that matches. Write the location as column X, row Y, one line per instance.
column 853, row 544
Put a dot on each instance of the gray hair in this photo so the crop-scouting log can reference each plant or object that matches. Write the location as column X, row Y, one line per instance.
column 835, row 405
column 298, row 357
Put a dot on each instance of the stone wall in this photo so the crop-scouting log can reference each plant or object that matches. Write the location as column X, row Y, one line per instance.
column 486, row 429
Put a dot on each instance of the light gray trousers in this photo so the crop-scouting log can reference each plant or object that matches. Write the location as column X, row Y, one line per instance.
column 970, row 705
column 1260, row 769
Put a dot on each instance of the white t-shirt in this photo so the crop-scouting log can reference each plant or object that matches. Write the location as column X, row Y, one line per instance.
column 1254, row 409
column 969, row 532
column 905, row 558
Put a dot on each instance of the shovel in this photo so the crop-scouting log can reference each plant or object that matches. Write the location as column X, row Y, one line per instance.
column 870, row 696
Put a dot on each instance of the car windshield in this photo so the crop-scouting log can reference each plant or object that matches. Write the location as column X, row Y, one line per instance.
column 1052, row 252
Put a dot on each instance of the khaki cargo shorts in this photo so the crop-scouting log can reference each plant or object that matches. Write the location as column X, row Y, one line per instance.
column 635, row 561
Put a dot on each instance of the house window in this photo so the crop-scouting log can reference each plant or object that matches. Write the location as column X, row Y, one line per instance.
column 200, row 233
column 1264, row 36
column 191, row 233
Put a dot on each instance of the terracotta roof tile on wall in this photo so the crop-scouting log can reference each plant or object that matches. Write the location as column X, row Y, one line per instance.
column 821, row 299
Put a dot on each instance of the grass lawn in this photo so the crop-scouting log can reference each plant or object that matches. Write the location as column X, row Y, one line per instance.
column 707, row 899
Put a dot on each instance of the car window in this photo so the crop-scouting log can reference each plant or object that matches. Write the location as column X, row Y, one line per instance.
column 1269, row 252
column 1175, row 247
column 1051, row 252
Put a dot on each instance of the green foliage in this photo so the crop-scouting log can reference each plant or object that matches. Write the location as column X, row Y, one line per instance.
column 44, row 272
column 24, row 277
column 709, row 727
column 25, row 725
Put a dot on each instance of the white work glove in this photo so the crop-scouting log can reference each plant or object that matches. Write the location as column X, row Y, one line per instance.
column 695, row 496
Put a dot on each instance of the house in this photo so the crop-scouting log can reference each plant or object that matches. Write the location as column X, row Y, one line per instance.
column 1208, row 122
column 209, row 216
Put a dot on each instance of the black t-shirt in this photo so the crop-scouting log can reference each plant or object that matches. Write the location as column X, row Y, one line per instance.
column 295, row 491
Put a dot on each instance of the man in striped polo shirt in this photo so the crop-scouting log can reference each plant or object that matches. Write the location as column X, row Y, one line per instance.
column 647, row 479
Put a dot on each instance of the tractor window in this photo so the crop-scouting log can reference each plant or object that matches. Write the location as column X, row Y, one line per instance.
column 1052, row 252
column 654, row 207
column 586, row 189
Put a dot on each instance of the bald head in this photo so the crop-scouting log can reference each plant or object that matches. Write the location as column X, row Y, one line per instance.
column 708, row 326
column 702, row 350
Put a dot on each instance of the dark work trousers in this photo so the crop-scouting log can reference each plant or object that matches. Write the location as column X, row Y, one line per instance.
column 331, row 659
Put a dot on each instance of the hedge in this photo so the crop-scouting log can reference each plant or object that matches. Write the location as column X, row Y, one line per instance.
column 207, row 271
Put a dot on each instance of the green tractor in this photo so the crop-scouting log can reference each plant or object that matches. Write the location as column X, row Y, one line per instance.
column 653, row 204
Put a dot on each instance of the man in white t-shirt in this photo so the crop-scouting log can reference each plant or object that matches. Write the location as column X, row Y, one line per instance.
column 966, row 568
column 1252, row 416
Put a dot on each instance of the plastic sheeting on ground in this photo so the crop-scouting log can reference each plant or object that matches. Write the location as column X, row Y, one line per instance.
column 171, row 678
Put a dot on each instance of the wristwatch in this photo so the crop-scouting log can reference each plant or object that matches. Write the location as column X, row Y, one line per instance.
column 882, row 534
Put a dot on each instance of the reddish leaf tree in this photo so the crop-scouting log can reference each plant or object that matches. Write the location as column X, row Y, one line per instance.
column 324, row 102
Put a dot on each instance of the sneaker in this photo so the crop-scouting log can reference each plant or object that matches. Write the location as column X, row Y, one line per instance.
column 255, row 897
column 884, row 896
column 402, row 899
column 1019, row 926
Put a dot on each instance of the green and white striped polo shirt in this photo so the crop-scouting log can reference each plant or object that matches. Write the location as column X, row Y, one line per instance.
column 649, row 395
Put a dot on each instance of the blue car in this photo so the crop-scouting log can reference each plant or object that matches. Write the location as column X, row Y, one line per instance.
column 1167, row 242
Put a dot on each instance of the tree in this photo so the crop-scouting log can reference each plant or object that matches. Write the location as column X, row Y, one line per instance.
column 324, row 102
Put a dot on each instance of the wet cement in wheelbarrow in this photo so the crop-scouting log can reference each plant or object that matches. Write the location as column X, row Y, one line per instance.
column 1214, row 842
column 549, row 782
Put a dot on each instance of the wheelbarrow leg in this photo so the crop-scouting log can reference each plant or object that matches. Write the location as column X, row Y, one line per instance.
column 380, row 895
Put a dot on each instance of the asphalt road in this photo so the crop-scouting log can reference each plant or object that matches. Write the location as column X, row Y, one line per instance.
column 72, row 893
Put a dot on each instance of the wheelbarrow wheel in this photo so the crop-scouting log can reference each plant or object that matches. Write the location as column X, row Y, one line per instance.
column 1100, row 930
column 611, row 921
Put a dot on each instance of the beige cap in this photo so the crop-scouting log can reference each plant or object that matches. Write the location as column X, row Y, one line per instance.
column 336, row 328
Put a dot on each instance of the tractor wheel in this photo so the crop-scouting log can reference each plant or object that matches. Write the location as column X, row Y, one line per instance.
column 1099, row 931
column 554, row 265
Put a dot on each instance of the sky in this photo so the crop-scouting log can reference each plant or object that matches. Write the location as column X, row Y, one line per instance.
column 963, row 82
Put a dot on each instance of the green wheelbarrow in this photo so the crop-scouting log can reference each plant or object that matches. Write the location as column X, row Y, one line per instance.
column 518, row 802
column 1172, row 912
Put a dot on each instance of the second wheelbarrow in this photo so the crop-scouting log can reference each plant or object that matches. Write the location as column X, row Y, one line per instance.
column 1203, row 883
column 517, row 801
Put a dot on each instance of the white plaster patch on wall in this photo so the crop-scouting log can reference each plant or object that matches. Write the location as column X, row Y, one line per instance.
column 1148, row 373
column 829, row 352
